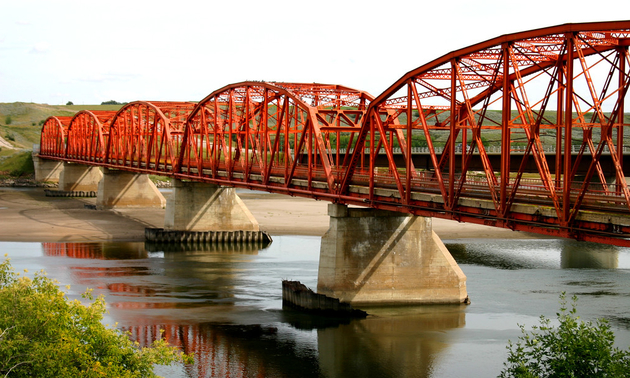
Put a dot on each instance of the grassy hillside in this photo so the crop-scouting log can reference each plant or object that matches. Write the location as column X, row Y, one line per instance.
column 20, row 122
column 20, row 126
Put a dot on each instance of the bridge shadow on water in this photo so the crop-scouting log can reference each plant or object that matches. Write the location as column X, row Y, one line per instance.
column 224, row 304
column 533, row 254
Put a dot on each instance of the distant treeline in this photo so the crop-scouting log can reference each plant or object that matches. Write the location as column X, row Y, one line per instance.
column 112, row 102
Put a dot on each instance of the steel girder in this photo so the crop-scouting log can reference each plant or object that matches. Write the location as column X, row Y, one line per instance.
column 560, row 89
column 146, row 136
column 87, row 136
column 272, row 134
column 52, row 140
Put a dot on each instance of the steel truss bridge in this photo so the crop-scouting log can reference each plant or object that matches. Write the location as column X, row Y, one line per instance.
column 551, row 99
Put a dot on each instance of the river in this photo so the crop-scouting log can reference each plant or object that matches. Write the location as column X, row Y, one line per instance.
column 225, row 305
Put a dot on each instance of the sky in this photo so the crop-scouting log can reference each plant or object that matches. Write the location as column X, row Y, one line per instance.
column 87, row 52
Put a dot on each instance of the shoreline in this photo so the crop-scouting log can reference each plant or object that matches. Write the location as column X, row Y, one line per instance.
column 27, row 215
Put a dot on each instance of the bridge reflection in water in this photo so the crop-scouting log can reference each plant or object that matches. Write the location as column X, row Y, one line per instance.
column 224, row 306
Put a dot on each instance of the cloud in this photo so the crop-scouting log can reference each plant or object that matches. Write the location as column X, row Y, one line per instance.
column 40, row 48
column 22, row 22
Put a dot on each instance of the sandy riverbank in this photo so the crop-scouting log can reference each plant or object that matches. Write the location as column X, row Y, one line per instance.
column 26, row 214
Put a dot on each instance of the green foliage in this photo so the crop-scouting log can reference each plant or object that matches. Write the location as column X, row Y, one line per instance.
column 9, row 136
column 574, row 349
column 69, row 103
column 44, row 334
column 8, row 120
column 18, row 165
column 112, row 102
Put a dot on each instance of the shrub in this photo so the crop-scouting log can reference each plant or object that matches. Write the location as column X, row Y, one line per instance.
column 574, row 349
column 8, row 120
column 44, row 334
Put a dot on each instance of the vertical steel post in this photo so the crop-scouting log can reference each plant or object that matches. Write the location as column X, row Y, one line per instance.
column 620, row 115
column 505, row 130
column 559, row 120
column 408, row 144
column 451, row 146
column 568, row 124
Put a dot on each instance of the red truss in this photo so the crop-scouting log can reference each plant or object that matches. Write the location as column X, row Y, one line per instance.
column 147, row 136
column 534, row 91
column 53, row 136
column 524, row 131
column 283, row 135
column 87, row 136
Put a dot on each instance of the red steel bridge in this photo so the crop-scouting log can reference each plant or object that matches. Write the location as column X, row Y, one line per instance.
column 552, row 99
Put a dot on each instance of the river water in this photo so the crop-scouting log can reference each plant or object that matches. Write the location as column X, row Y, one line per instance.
column 225, row 305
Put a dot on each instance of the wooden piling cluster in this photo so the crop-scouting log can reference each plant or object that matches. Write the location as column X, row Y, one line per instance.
column 70, row 193
column 160, row 235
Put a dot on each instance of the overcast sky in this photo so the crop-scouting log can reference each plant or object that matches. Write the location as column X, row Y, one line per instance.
column 55, row 51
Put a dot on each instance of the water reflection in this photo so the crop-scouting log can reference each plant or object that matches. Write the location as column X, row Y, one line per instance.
column 225, row 305
column 589, row 256
column 550, row 254
column 394, row 345
column 113, row 251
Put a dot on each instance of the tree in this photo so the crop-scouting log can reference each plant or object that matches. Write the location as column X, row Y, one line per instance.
column 44, row 334
column 574, row 349
column 69, row 103
column 8, row 120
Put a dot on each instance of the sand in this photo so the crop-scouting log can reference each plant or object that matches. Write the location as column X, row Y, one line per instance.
column 26, row 214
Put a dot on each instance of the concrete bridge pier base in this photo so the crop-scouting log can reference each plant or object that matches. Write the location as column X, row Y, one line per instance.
column 127, row 189
column 195, row 206
column 47, row 170
column 375, row 257
column 78, row 177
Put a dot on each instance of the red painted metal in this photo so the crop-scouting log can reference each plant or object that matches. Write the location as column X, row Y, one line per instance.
column 52, row 140
column 276, row 134
column 87, row 136
column 558, row 90
column 505, row 90
column 146, row 136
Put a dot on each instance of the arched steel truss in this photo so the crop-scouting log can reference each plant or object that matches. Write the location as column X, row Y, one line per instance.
column 52, row 141
column 87, row 136
column 536, row 89
column 556, row 92
column 146, row 136
column 282, row 135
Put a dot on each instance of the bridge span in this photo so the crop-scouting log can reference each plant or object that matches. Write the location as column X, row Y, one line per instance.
column 549, row 102
column 560, row 89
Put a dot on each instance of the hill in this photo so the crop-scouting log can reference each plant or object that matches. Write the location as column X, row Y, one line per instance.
column 20, row 122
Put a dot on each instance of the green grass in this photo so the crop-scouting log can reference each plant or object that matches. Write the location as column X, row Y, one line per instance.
column 17, row 165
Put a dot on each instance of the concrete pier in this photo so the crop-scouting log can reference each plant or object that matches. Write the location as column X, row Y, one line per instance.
column 46, row 170
column 79, row 177
column 127, row 189
column 375, row 257
column 197, row 206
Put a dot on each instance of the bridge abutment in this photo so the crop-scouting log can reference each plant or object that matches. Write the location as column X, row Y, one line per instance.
column 195, row 206
column 46, row 170
column 127, row 189
column 79, row 177
column 379, row 257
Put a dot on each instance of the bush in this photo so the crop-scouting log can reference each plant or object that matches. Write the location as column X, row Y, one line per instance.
column 574, row 349
column 44, row 334
column 8, row 120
